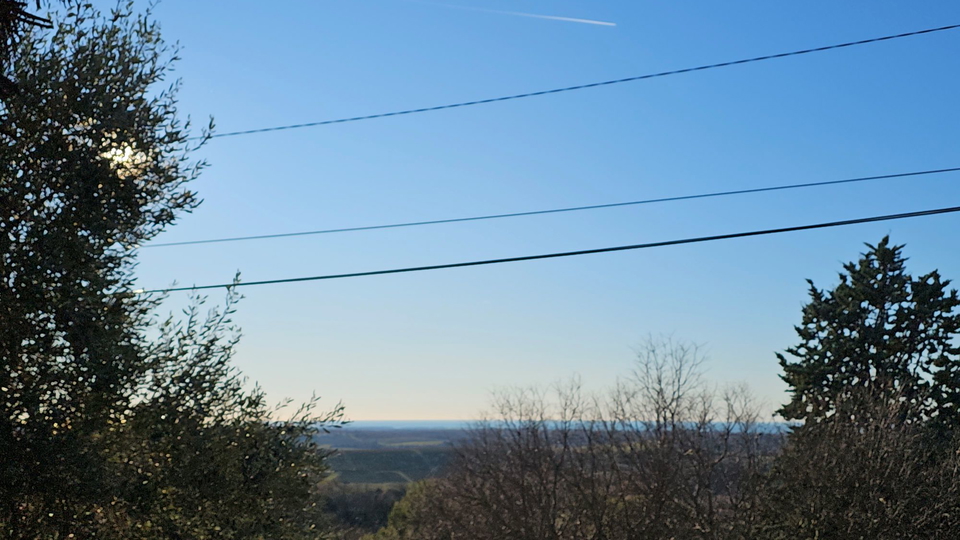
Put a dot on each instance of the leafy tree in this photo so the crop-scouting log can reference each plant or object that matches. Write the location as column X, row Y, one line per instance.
column 359, row 508
column 112, row 424
column 14, row 19
column 879, row 332
column 419, row 515
column 73, row 207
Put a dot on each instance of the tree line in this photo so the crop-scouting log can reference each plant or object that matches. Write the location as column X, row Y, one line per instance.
column 872, row 450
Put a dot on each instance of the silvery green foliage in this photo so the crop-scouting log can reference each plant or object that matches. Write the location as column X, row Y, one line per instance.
column 15, row 19
column 114, row 424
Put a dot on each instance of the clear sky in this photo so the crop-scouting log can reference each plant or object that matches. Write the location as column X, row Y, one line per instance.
column 433, row 345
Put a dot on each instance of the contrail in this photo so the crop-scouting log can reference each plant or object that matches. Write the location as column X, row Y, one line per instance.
column 518, row 13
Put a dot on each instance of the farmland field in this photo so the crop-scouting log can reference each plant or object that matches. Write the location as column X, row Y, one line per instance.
column 391, row 457
column 390, row 465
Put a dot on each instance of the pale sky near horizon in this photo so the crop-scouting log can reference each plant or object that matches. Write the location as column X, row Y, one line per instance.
column 434, row 345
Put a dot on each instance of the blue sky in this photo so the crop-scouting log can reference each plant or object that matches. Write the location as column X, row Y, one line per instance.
column 433, row 345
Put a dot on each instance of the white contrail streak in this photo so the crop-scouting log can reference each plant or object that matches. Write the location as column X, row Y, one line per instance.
column 546, row 17
column 518, row 14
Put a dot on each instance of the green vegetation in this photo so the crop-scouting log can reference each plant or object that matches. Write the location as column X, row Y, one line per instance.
column 377, row 470
column 357, row 438
column 876, row 382
column 359, row 509
column 415, row 444
column 664, row 456
column 14, row 20
column 114, row 424
column 393, row 466
column 880, row 331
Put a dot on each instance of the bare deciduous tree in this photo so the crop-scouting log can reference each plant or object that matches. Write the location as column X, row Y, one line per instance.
column 661, row 456
column 867, row 472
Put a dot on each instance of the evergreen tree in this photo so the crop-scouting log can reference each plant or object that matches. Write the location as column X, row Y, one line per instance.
column 879, row 332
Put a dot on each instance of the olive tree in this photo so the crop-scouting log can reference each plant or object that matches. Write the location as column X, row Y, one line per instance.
column 14, row 21
column 114, row 424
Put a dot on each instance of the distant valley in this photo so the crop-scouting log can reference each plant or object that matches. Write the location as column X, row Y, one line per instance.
column 385, row 456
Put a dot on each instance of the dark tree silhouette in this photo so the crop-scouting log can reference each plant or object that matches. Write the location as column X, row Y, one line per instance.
column 113, row 424
column 880, row 332
column 14, row 18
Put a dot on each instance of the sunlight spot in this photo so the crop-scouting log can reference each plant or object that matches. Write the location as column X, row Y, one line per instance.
column 126, row 160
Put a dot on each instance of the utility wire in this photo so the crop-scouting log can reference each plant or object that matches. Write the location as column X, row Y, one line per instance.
column 696, row 240
column 590, row 85
column 555, row 210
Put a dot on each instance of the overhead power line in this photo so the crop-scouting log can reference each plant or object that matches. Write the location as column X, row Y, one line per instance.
column 555, row 210
column 590, row 85
column 889, row 217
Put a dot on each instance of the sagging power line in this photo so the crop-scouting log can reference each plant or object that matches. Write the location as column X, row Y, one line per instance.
column 591, row 85
column 555, row 210
column 874, row 219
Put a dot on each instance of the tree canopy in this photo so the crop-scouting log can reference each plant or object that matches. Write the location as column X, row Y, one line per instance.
column 14, row 20
column 880, row 331
column 114, row 423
